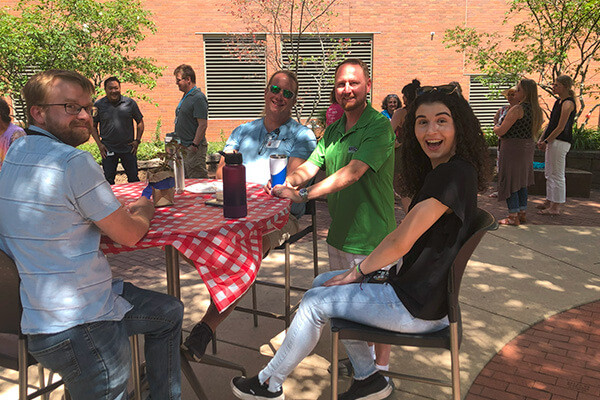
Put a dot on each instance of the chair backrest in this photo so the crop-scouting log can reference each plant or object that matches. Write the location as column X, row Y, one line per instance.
column 10, row 305
column 484, row 221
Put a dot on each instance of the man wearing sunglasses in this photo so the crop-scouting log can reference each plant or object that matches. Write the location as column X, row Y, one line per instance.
column 54, row 205
column 357, row 152
column 276, row 133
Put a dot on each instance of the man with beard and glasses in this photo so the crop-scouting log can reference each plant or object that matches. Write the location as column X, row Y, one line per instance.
column 54, row 205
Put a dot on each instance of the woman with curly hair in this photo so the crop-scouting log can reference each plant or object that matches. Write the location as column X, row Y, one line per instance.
column 518, row 130
column 445, row 157
column 389, row 104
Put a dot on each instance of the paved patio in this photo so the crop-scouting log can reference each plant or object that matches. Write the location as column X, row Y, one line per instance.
column 530, row 301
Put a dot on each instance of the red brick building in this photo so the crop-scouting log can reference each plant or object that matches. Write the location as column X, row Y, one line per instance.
column 406, row 42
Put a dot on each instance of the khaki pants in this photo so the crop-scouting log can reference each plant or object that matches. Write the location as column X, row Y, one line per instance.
column 277, row 238
column 195, row 162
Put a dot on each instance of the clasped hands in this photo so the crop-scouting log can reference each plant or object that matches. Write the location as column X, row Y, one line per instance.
column 285, row 191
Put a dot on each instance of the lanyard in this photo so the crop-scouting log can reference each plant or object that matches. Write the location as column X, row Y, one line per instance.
column 35, row 132
column 180, row 103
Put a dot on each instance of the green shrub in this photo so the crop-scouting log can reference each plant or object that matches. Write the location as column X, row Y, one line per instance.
column 583, row 138
column 215, row 147
column 586, row 138
column 146, row 150
column 490, row 137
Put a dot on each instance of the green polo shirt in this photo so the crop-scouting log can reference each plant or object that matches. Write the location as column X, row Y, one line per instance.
column 363, row 213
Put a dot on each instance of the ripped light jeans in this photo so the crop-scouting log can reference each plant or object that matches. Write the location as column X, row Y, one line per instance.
column 368, row 303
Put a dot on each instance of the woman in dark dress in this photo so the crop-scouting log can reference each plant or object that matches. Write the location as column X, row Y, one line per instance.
column 518, row 132
column 445, row 164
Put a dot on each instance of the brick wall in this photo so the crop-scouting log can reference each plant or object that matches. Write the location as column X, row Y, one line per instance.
column 403, row 47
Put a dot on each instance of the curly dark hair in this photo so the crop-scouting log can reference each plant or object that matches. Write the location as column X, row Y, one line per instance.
column 470, row 144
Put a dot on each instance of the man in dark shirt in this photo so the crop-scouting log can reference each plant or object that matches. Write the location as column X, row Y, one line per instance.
column 116, row 114
column 191, row 121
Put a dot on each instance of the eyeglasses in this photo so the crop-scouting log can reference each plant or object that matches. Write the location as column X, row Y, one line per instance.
column 74, row 108
column 445, row 89
column 288, row 94
column 268, row 139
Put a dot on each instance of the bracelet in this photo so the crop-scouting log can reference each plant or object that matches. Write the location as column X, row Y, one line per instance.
column 359, row 271
column 546, row 141
column 195, row 145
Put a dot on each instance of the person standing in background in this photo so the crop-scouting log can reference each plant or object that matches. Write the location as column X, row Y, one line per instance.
column 556, row 141
column 191, row 117
column 9, row 132
column 518, row 132
column 116, row 114
column 390, row 104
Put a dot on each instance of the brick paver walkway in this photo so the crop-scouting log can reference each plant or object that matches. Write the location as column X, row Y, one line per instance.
column 557, row 359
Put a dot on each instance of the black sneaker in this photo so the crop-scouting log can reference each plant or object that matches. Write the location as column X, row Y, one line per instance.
column 251, row 389
column 198, row 340
column 375, row 387
column 345, row 367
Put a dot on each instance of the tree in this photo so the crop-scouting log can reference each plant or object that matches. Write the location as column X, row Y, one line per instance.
column 556, row 37
column 97, row 39
column 288, row 24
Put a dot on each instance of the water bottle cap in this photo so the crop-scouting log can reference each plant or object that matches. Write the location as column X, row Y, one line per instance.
column 232, row 158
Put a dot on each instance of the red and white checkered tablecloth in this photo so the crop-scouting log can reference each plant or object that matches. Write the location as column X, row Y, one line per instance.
column 226, row 252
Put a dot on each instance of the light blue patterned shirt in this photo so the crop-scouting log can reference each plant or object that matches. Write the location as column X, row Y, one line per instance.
column 50, row 195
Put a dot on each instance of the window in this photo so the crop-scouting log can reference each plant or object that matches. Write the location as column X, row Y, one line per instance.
column 315, row 70
column 235, row 86
column 481, row 102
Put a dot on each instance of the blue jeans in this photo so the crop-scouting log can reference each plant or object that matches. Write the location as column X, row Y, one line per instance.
column 368, row 303
column 517, row 201
column 129, row 162
column 94, row 359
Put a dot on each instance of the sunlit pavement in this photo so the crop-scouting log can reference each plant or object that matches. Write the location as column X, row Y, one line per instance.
column 525, row 336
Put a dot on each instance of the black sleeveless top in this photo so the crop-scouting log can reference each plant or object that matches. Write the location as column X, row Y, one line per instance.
column 567, row 134
column 521, row 129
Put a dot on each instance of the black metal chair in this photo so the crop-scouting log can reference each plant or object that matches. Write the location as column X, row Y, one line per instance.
column 311, row 209
column 13, row 344
column 448, row 338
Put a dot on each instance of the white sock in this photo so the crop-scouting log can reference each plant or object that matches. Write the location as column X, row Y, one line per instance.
column 383, row 368
column 372, row 348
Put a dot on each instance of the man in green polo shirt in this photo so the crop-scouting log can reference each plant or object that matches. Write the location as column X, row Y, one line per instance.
column 358, row 154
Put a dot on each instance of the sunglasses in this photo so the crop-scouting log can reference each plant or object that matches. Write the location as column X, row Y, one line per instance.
column 288, row 94
column 445, row 89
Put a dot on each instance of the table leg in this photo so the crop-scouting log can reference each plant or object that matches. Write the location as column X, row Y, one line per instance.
column 174, row 289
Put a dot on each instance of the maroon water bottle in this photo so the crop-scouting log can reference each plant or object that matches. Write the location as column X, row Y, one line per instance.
column 234, row 186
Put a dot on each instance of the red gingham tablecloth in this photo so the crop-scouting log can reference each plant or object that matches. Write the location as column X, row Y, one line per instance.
column 226, row 252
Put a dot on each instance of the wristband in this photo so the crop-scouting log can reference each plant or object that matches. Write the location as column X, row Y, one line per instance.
column 546, row 141
column 195, row 145
column 359, row 271
column 137, row 141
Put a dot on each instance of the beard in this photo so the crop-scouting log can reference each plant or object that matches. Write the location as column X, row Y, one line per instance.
column 75, row 133
column 355, row 104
